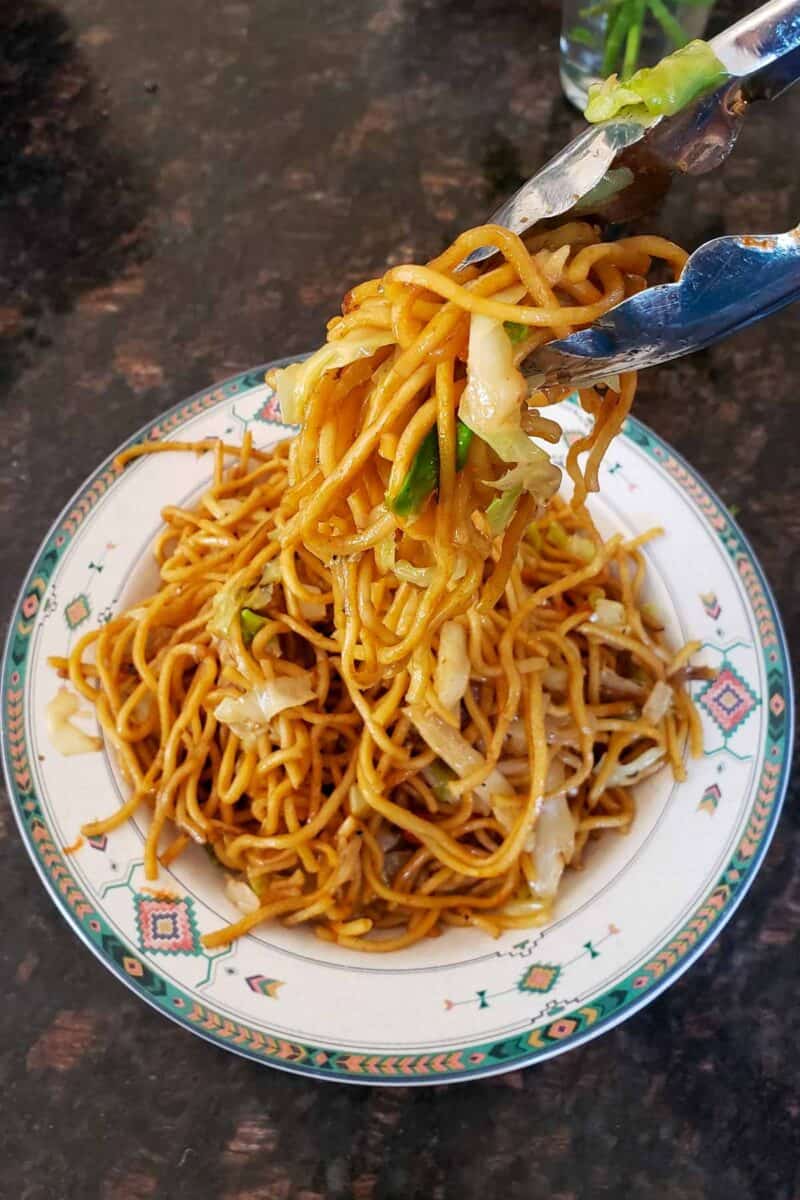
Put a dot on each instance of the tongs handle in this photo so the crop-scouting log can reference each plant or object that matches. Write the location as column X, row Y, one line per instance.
column 761, row 54
column 764, row 47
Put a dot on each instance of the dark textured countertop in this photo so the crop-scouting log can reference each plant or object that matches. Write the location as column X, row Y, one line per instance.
column 186, row 189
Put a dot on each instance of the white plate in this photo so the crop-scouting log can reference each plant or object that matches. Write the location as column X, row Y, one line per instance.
column 462, row 1005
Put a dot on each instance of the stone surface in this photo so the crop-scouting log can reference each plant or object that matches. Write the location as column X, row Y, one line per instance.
column 187, row 190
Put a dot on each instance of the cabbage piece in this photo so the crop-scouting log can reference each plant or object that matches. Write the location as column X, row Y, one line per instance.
column 658, row 703
column 452, row 664
column 261, row 594
column 501, row 510
column 632, row 772
column 613, row 684
column 226, row 605
column 533, row 537
column 241, row 895
column 359, row 806
column 581, row 547
column 312, row 610
column 491, row 406
column 249, row 715
column 439, row 776
column 574, row 543
column 454, row 750
column 609, row 613
column 651, row 615
column 664, row 89
column 419, row 576
column 295, row 383
column 385, row 554
column 554, row 844
column 556, row 535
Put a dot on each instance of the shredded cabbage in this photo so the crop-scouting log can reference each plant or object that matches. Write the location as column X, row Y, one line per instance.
column 491, row 406
column 630, row 772
column 358, row 805
column 233, row 599
column 419, row 576
column 501, row 510
column 452, row 664
column 438, row 775
column 261, row 594
column 554, row 844
column 226, row 605
column 665, row 88
column 574, row 543
column 241, row 894
column 658, row 703
column 312, row 610
column 581, row 547
column 556, row 535
column 295, row 383
column 249, row 715
column 384, row 554
column 613, row 684
column 651, row 616
column 459, row 755
column 609, row 613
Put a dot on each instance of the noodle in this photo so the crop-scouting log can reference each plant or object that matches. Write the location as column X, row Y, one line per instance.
column 389, row 678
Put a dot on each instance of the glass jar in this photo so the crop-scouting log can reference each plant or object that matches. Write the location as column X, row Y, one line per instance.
column 603, row 37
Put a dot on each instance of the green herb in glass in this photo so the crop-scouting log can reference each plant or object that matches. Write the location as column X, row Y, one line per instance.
column 625, row 23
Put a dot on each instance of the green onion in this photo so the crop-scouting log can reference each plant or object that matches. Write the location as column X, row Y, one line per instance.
column 672, row 28
column 618, row 25
column 251, row 622
column 633, row 40
column 625, row 22
column 464, row 436
column 516, row 331
column 422, row 478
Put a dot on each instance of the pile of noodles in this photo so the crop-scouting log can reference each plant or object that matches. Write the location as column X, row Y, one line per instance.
column 389, row 678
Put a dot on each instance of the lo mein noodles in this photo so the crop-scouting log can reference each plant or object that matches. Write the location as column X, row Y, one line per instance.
column 391, row 679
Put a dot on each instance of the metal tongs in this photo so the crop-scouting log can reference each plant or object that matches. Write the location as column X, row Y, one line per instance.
column 620, row 169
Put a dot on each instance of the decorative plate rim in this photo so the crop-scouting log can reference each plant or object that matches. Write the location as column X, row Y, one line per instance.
column 570, row 1029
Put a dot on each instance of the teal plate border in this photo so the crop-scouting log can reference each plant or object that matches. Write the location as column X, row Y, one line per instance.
column 325, row 1062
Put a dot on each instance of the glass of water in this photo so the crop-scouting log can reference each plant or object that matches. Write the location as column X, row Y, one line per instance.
column 603, row 37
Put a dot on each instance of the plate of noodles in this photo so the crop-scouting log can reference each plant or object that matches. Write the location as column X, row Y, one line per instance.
column 379, row 721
